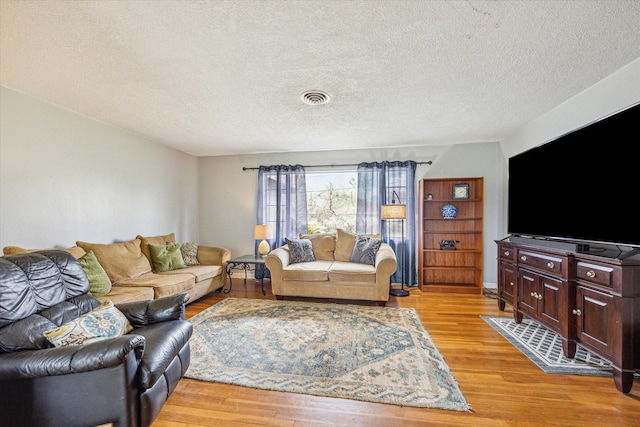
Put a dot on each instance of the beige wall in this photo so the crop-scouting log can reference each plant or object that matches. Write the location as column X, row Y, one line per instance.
column 65, row 177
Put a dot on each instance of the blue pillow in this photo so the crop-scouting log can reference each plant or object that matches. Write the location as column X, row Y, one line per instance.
column 300, row 251
column 365, row 250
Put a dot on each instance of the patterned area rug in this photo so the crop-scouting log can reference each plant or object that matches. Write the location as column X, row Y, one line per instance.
column 368, row 353
column 544, row 348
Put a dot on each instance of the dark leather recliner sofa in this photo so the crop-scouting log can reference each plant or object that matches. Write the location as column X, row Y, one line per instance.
column 124, row 380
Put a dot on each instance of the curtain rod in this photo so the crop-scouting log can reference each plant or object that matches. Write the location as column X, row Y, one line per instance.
column 333, row 166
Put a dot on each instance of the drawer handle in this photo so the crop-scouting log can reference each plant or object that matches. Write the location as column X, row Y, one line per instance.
column 506, row 253
column 577, row 312
column 539, row 296
column 550, row 264
column 511, row 283
column 523, row 258
column 533, row 294
column 591, row 274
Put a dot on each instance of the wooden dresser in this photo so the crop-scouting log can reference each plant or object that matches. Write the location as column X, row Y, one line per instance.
column 591, row 299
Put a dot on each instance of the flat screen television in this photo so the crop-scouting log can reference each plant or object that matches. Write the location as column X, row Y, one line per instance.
column 582, row 186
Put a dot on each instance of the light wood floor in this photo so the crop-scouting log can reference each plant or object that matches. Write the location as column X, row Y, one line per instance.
column 502, row 386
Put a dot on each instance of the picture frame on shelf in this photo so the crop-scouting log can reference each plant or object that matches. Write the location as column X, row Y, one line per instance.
column 461, row 191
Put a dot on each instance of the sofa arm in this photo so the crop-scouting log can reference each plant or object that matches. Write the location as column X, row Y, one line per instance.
column 277, row 259
column 213, row 255
column 386, row 262
column 70, row 360
column 144, row 313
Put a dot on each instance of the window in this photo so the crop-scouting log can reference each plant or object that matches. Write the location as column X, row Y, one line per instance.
column 331, row 201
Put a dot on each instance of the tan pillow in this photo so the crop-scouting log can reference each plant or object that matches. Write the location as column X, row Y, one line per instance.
column 323, row 245
column 75, row 251
column 154, row 240
column 345, row 242
column 12, row 250
column 121, row 261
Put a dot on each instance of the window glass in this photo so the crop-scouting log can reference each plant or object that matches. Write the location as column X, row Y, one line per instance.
column 331, row 201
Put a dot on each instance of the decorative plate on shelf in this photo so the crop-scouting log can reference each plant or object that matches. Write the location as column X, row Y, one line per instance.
column 449, row 211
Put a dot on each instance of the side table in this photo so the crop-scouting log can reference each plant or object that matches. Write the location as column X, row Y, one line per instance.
column 244, row 262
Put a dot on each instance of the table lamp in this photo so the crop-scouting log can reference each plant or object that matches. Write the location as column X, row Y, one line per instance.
column 263, row 232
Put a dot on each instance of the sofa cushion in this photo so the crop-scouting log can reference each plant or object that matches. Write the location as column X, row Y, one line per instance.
column 316, row 271
column 200, row 272
column 103, row 322
column 75, row 251
column 122, row 294
column 99, row 282
column 300, row 251
column 323, row 244
column 154, row 240
column 342, row 271
column 121, row 261
column 365, row 250
column 166, row 257
column 163, row 284
column 189, row 252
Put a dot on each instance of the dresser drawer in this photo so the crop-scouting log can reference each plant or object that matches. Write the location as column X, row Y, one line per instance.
column 595, row 273
column 548, row 263
column 506, row 253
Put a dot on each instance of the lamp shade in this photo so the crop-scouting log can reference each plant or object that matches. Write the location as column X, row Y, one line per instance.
column 393, row 211
column 263, row 231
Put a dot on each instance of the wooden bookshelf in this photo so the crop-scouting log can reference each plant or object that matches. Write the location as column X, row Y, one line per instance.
column 458, row 270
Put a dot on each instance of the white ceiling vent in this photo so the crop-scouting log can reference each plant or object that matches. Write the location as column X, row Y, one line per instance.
column 315, row 97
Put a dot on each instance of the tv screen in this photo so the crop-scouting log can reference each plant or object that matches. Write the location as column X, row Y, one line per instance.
column 582, row 186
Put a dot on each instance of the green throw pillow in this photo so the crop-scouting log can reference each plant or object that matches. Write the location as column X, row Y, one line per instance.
column 99, row 283
column 166, row 257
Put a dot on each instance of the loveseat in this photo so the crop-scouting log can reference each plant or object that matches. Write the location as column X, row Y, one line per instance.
column 125, row 271
column 330, row 271
column 67, row 360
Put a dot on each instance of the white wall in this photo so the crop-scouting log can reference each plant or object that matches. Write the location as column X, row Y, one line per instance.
column 65, row 177
column 614, row 93
column 228, row 195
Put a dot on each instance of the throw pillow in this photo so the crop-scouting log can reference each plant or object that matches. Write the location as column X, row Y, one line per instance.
column 345, row 243
column 104, row 322
column 300, row 251
column 99, row 283
column 365, row 250
column 189, row 252
column 75, row 251
column 166, row 257
column 324, row 244
column 154, row 240
column 121, row 261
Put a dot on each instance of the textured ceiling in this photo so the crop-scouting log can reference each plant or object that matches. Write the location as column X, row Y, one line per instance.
column 226, row 77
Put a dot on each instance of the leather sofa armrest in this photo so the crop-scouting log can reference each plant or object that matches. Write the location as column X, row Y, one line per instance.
column 70, row 360
column 144, row 313
column 213, row 255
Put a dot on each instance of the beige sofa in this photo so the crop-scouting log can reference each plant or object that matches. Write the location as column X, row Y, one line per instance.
column 332, row 275
column 128, row 266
